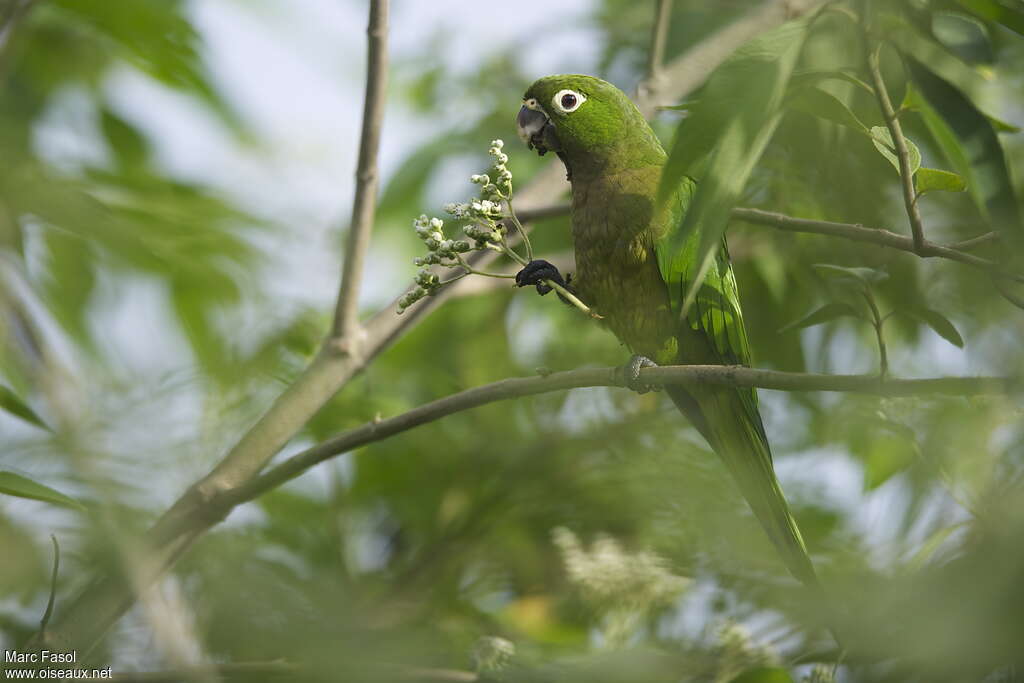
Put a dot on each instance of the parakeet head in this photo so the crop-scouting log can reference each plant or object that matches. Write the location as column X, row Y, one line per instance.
column 586, row 121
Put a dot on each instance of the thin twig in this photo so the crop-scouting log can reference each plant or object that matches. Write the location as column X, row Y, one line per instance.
column 850, row 231
column 345, row 329
column 879, row 236
column 659, row 34
column 967, row 245
column 892, row 122
column 877, row 321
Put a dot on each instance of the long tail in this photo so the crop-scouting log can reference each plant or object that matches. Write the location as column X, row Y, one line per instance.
column 732, row 425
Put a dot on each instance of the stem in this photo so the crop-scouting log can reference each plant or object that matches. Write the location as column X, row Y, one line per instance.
column 659, row 33
column 892, row 122
column 879, row 236
column 345, row 329
column 563, row 291
column 877, row 322
column 520, row 228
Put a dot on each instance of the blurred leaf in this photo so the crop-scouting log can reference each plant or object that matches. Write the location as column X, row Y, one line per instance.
column 764, row 675
column 949, row 143
column 992, row 10
column 736, row 117
column 971, row 145
column 964, row 34
column 127, row 144
column 828, row 312
column 923, row 554
column 863, row 275
column 22, row 487
column 1001, row 126
column 936, row 180
column 891, row 449
column 11, row 403
column 939, row 323
column 803, row 79
column 824, row 105
column 155, row 36
column 926, row 50
column 882, row 140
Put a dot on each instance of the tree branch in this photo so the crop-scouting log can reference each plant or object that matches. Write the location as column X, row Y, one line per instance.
column 656, row 54
column 726, row 375
column 850, row 231
column 879, row 236
column 892, row 122
column 345, row 329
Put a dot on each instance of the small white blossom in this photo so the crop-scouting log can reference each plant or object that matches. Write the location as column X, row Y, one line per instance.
column 491, row 654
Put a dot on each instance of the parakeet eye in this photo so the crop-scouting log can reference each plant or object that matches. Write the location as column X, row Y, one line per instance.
column 567, row 101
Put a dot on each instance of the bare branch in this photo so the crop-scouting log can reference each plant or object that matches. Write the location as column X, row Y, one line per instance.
column 902, row 152
column 879, row 236
column 218, row 507
column 656, row 54
column 850, row 231
column 345, row 330
column 978, row 241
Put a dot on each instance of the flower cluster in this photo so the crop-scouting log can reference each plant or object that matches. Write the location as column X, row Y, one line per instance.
column 625, row 587
column 484, row 227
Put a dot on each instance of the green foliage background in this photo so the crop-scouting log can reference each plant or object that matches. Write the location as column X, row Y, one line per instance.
column 402, row 555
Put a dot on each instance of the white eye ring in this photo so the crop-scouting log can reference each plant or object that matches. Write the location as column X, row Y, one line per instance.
column 573, row 98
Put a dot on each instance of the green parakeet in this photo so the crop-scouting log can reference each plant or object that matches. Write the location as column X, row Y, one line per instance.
column 629, row 272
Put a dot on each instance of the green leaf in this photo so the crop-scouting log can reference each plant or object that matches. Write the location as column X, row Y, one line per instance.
column 882, row 140
column 1009, row 17
column 949, row 144
column 825, row 105
column 803, row 79
column 925, row 49
column 866, row 276
column 972, row 147
column 891, row 449
column 22, row 487
column 939, row 323
column 936, row 180
column 764, row 674
column 828, row 312
column 729, row 128
column 11, row 403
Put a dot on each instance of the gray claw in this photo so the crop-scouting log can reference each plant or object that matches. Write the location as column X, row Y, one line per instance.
column 631, row 372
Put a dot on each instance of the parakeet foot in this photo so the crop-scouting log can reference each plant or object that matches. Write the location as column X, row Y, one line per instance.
column 537, row 270
column 631, row 373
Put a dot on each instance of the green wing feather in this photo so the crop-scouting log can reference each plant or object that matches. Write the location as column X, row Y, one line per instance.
column 713, row 332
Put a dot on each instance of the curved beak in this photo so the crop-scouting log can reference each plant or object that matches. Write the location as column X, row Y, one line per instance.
column 534, row 128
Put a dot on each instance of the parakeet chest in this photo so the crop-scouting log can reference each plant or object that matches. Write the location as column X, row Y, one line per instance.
column 616, row 268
